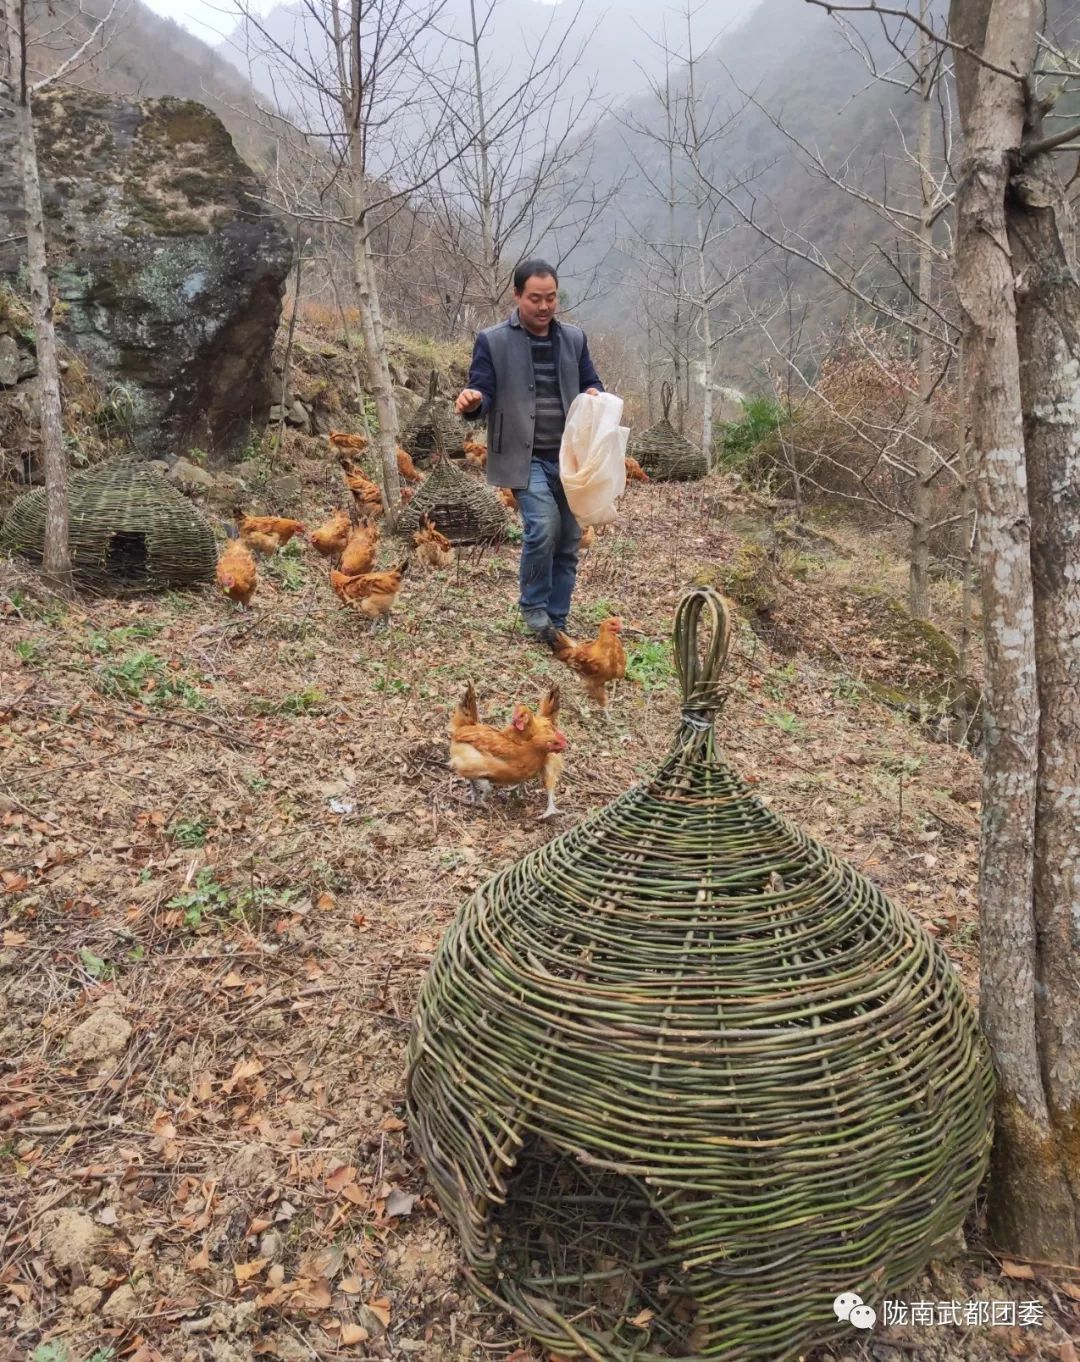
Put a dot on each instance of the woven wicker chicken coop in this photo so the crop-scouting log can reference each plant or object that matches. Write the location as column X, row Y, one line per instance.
column 681, row 1077
column 460, row 505
column 665, row 454
column 130, row 530
column 431, row 429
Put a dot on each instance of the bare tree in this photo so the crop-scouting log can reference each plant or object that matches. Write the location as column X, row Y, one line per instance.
column 519, row 175
column 18, row 87
column 1020, row 298
column 915, row 260
column 348, row 95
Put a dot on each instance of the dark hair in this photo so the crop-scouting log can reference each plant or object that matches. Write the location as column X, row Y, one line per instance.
column 528, row 268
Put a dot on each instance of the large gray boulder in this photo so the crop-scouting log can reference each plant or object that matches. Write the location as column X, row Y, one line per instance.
column 169, row 268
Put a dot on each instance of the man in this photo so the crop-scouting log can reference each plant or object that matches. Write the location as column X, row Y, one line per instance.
column 525, row 373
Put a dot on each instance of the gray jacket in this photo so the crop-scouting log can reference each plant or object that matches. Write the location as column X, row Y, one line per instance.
column 502, row 371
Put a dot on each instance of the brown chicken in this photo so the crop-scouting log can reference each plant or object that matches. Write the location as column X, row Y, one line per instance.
column 432, row 547
column 588, row 537
column 405, row 466
column 529, row 746
column 331, row 537
column 265, row 545
column 366, row 494
column 598, row 662
column 358, row 556
column 236, row 574
column 373, row 593
column 255, row 530
column 340, row 439
column 508, row 499
column 635, row 472
column 475, row 453
column 342, row 443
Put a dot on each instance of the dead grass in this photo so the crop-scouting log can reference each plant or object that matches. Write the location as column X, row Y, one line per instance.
column 238, row 833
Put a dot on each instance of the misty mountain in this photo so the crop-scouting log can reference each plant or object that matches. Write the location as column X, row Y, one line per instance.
column 513, row 31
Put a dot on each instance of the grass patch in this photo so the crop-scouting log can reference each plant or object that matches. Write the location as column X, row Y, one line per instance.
column 650, row 664
column 144, row 676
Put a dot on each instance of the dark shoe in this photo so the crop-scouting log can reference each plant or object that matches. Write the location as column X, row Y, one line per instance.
column 536, row 621
column 548, row 636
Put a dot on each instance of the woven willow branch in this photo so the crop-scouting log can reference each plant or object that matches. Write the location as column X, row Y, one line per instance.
column 682, row 1066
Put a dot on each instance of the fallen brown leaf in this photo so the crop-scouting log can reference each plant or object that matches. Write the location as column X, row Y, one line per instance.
column 392, row 1123
column 245, row 1271
column 340, row 1179
column 353, row 1333
column 380, row 1308
column 641, row 1319
column 1020, row 1272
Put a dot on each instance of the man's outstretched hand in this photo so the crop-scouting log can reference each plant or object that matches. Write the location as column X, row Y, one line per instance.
column 592, row 392
column 468, row 400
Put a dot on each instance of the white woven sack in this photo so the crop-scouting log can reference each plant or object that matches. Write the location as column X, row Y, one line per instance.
column 592, row 457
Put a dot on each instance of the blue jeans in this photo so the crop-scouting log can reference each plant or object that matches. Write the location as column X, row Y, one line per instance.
column 549, row 553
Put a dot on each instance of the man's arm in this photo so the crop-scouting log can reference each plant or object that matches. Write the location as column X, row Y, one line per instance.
column 481, row 380
column 587, row 375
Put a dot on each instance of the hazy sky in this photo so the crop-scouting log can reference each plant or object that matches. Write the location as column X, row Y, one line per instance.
column 214, row 19
column 210, row 19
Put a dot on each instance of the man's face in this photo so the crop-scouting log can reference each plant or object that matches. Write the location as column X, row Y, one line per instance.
column 538, row 301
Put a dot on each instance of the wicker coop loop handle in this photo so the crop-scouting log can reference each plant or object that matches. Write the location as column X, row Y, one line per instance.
column 699, row 669
column 667, row 393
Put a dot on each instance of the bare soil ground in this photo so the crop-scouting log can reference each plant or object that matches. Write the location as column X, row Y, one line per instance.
column 230, row 843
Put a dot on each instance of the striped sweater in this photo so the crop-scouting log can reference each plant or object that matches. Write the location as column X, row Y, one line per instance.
column 550, row 417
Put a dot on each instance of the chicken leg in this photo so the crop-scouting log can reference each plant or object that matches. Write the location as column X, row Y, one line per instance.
column 553, row 769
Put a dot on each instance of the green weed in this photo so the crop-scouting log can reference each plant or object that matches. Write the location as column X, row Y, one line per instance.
column 299, row 702
column 787, row 723
column 189, row 832
column 737, row 440
column 209, row 900
column 777, row 680
column 111, row 640
column 849, row 688
column 51, row 612
column 31, row 652
column 95, row 966
column 649, row 663
column 145, row 676
column 206, row 898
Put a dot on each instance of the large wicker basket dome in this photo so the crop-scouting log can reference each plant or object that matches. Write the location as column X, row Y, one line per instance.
column 666, row 455
column 130, row 530
column 432, row 429
column 460, row 505
column 682, row 1077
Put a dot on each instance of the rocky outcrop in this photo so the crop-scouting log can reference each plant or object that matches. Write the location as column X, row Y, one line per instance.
column 169, row 270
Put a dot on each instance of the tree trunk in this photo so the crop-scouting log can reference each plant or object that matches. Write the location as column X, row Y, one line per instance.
column 922, row 508
column 286, row 361
column 967, row 521
column 992, row 108
column 56, row 565
column 1048, row 328
column 490, row 275
column 706, row 350
column 378, row 370
column 366, row 285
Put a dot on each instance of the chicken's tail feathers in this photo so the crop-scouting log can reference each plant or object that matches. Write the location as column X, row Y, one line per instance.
column 549, row 705
column 561, row 646
column 467, row 711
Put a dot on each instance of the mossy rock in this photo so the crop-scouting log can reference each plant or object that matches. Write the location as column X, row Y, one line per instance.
column 750, row 579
